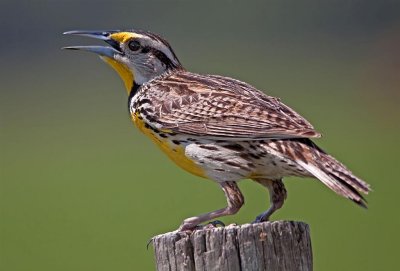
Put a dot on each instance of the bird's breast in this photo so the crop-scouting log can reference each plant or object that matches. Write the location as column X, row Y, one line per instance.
column 170, row 143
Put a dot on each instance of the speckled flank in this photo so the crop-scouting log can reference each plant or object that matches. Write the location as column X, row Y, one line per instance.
column 222, row 160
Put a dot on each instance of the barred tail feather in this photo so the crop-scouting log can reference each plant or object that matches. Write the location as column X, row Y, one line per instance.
column 324, row 167
column 332, row 173
column 335, row 183
column 337, row 170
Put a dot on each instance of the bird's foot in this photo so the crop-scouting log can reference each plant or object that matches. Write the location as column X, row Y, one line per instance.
column 213, row 224
column 189, row 227
column 261, row 218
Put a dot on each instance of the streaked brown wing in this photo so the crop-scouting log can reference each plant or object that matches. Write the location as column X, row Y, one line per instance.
column 215, row 106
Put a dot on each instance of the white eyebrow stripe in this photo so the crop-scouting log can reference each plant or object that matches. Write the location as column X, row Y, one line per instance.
column 159, row 45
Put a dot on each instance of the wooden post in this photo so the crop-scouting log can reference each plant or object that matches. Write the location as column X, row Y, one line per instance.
column 278, row 245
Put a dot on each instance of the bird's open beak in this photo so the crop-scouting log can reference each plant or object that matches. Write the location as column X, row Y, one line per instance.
column 100, row 50
column 108, row 54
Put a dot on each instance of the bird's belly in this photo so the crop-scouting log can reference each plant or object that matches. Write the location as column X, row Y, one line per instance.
column 177, row 154
column 170, row 146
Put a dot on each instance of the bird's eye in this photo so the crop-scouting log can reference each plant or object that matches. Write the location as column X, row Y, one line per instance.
column 134, row 45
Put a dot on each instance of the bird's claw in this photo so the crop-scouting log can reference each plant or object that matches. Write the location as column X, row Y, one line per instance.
column 210, row 225
column 149, row 242
column 260, row 218
column 216, row 223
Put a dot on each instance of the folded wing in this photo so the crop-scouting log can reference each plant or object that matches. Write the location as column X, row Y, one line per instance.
column 224, row 108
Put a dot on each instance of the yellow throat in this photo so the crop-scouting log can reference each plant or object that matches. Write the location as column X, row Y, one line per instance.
column 122, row 70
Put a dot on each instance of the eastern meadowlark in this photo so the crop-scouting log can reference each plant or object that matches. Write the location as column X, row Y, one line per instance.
column 217, row 127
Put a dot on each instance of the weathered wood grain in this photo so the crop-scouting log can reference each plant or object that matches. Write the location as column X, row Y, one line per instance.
column 279, row 245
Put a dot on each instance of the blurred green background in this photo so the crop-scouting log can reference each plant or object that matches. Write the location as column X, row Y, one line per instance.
column 81, row 189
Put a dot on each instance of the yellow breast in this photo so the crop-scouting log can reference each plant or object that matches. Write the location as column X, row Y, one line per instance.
column 175, row 152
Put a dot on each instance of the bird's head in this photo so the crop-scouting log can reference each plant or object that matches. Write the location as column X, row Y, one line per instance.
column 137, row 56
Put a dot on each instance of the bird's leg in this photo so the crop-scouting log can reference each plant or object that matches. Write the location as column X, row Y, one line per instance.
column 277, row 193
column 234, row 198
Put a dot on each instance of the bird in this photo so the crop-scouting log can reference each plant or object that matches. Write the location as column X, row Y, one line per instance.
column 217, row 127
